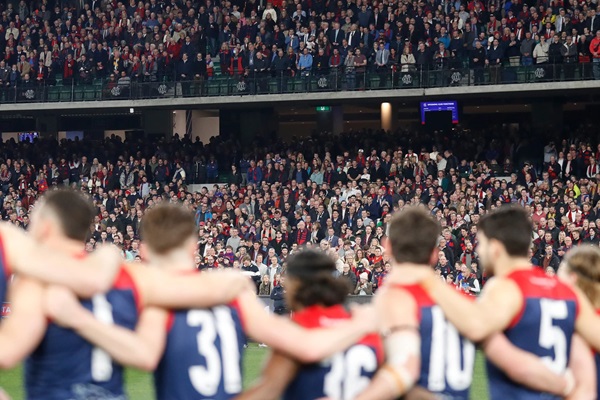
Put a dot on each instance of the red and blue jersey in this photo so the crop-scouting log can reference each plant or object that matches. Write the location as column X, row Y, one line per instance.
column 66, row 366
column 447, row 358
column 597, row 359
column 345, row 374
column 203, row 355
column 5, row 273
column 544, row 327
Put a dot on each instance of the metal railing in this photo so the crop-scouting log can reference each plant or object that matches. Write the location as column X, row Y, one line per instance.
column 273, row 82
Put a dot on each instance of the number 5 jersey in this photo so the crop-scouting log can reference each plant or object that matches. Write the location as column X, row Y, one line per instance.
column 544, row 326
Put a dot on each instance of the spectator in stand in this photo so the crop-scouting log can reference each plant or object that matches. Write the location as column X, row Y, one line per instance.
column 595, row 52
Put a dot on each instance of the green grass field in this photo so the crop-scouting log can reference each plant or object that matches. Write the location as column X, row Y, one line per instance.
column 139, row 384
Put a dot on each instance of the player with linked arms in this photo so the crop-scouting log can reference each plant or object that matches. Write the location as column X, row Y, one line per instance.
column 581, row 267
column 316, row 299
column 60, row 365
column 64, row 365
column 421, row 346
column 25, row 264
column 197, row 352
column 537, row 314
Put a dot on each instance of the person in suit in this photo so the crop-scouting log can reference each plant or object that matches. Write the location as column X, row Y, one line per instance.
column 569, row 167
column 336, row 35
column 594, row 22
column 23, row 66
column 331, row 238
column 353, row 37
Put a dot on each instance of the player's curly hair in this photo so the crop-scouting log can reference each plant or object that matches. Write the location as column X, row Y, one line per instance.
column 317, row 285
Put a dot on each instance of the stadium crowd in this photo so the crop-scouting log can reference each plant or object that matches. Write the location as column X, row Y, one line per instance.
column 156, row 40
column 331, row 191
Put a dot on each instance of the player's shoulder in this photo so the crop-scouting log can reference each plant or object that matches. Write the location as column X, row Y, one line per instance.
column 534, row 282
column 320, row 317
column 126, row 279
column 409, row 295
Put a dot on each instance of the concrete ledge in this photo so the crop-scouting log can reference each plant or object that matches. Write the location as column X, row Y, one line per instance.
column 322, row 98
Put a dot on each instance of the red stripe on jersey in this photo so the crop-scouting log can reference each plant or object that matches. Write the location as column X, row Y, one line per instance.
column 235, row 304
column 170, row 321
column 7, row 268
column 374, row 340
column 325, row 317
column 317, row 316
column 125, row 281
column 420, row 296
column 535, row 284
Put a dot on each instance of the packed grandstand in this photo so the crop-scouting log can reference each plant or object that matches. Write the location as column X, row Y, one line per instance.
column 115, row 49
column 337, row 192
column 137, row 233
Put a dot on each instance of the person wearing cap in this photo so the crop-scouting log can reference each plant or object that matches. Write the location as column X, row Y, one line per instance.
column 364, row 287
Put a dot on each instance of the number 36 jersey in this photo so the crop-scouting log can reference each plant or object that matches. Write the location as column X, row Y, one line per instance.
column 447, row 358
column 67, row 367
column 203, row 355
column 345, row 374
column 544, row 327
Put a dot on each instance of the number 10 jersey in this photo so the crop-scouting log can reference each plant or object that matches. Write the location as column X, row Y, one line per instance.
column 447, row 358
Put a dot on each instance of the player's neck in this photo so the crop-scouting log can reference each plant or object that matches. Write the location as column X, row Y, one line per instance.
column 508, row 265
column 174, row 261
column 65, row 245
column 408, row 270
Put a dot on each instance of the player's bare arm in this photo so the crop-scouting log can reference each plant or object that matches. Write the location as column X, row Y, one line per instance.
column 588, row 322
column 525, row 368
column 279, row 371
column 305, row 345
column 85, row 276
column 583, row 367
column 167, row 289
column 141, row 348
column 499, row 302
column 24, row 329
column 398, row 321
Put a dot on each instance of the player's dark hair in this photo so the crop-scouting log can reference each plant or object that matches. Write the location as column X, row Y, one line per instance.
column 584, row 261
column 511, row 226
column 413, row 234
column 166, row 227
column 313, row 270
column 74, row 211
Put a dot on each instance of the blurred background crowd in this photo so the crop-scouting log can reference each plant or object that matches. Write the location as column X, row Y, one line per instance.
column 256, row 205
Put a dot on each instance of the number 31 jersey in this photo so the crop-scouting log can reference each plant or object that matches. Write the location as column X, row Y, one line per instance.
column 543, row 327
column 447, row 358
column 66, row 366
column 203, row 355
column 345, row 374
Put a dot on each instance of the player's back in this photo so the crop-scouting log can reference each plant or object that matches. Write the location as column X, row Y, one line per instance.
column 544, row 327
column 203, row 355
column 66, row 366
column 597, row 360
column 345, row 374
column 5, row 274
column 447, row 358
